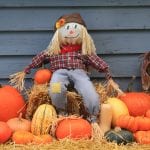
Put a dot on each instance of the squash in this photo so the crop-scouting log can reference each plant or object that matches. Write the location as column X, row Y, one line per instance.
column 119, row 136
column 137, row 102
column 42, row 119
column 118, row 108
column 5, row 132
column 74, row 128
column 42, row 76
column 133, row 123
column 105, row 117
column 22, row 137
column 18, row 123
column 142, row 137
column 11, row 102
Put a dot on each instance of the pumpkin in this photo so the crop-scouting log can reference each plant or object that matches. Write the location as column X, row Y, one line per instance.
column 5, row 132
column 133, row 123
column 119, row 136
column 22, row 137
column 148, row 113
column 105, row 117
column 42, row 76
column 74, row 128
column 142, row 137
column 118, row 108
column 137, row 102
column 11, row 102
column 42, row 119
column 42, row 139
column 18, row 123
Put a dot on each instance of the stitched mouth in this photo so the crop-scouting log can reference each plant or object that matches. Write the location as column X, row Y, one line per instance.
column 72, row 36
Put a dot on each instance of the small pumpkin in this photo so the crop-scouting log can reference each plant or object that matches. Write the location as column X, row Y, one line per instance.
column 5, row 132
column 11, row 102
column 18, row 123
column 74, row 128
column 42, row 119
column 119, row 136
column 42, row 139
column 142, row 137
column 42, row 76
column 133, row 123
column 22, row 137
column 137, row 102
column 118, row 108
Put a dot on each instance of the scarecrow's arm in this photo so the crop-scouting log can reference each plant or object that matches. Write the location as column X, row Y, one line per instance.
column 99, row 64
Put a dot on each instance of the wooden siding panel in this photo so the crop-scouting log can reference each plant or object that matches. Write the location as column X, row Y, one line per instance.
column 121, row 65
column 96, row 18
column 107, row 42
column 78, row 3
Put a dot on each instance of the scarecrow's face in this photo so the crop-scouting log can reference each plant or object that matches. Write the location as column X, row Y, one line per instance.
column 70, row 33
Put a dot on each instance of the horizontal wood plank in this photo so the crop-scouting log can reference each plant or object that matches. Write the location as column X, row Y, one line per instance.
column 30, row 19
column 66, row 3
column 122, row 82
column 120, row 65
column 110, row 42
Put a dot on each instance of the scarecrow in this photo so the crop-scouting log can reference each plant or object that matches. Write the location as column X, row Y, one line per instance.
column 70, row 53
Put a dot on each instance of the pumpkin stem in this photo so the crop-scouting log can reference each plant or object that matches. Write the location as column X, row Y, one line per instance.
column 20, row 116
column 1, row 86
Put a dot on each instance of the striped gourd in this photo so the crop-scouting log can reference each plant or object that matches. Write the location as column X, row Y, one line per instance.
column 42, row 119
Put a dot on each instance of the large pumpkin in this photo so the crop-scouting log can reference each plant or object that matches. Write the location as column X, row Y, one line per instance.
column 119, row 136
column 42, row 119
column 74, row 128
column 5, row 132
column 137, row 102
column 11, row 102
column 118, row 108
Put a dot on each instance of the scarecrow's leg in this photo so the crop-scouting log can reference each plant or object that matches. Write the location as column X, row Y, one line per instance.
column 58, row 90
column 85, row 88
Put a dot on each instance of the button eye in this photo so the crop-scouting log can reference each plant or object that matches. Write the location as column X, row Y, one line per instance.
column 68, row 27
column 75, row 26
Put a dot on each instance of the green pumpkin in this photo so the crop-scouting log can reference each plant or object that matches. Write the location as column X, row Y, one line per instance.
column 119, row 136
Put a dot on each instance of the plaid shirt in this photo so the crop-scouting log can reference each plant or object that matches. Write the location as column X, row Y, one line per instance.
column 70, row 60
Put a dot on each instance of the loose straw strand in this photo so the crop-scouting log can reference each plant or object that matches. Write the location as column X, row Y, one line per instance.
column 17, row 80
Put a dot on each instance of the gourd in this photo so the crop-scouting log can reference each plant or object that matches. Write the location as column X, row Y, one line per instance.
column 137, row 102
column 42, row 119
column 5, row 132
column 118, row 108
column 105, row 117
column 11, row 102
column 42, row 76
column 133, row 123
column 119, row 136
column 18, row 123
column 74, row 128
column 22, row 137
column 142, row 137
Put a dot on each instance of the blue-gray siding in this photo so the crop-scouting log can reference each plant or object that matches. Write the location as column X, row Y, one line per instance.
column 120, row 29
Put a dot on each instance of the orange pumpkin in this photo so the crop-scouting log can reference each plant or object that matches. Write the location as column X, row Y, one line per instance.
column 142, row 137
column 22, row 137
column 11, row 102
column 148, row 113
column 18, row 123
column 133, row 123
column 74, row 128
column 137, row 102
column 42, row 139
column 42, row 76
column 5, row 132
